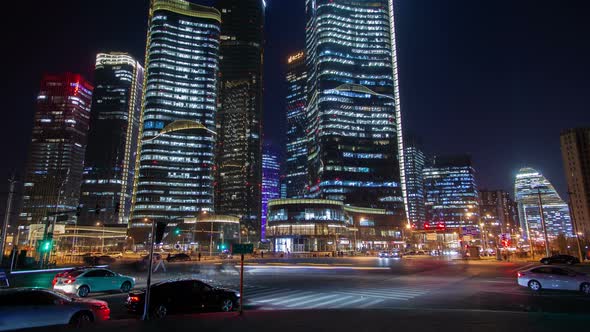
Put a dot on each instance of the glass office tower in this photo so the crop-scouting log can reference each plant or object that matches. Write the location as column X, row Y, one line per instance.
column 532, row 190
column 58, row 144
column 452, row 199
column 239, row 120
column 415, row 162
column 354, row 124
column 270, row 182
column 112, row 141
column 175, row 177
column 295, row 171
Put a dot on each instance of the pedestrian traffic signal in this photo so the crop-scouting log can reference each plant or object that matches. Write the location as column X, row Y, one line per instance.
column 45, row 245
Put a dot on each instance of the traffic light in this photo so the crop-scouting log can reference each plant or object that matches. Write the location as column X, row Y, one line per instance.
column 45, row 245
column 177, row 231
column 97, row 209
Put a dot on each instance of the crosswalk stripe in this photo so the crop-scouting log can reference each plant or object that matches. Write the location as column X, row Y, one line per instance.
column 391, row 297
column 372, row 303
column 406, row 290
column 265, row 292
column 329, row 302
column 276, row 295
column 347, row 304
column 392, row 291
column 321, row 298
column 296, row 298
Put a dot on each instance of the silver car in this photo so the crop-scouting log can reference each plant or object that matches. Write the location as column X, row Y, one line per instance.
column 83, row 282
column 553, row 277
column 35, row 307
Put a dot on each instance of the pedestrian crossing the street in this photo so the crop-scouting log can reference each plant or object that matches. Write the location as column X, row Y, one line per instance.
column 282, row 298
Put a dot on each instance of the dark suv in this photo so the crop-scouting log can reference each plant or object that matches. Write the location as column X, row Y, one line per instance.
column 560, row 259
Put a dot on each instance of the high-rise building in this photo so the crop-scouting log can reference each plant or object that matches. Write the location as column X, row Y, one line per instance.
column 175, row 177
column 107, row 182
column 452, row 199
column 531, row 191
column 498, row 212
column 575, row 149
column 355, row 146
column 270, row 182
column 239, row 120
column 58, row 144
column 415, row 162
column 295, row 171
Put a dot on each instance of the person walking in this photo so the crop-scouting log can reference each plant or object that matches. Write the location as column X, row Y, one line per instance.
column 199, row 256
column 159, row 263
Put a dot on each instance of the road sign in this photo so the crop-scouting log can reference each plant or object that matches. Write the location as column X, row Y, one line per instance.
column 430, row 236
column 242, row 248
column 467, row 238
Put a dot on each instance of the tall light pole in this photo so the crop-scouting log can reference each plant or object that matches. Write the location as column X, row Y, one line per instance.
column 542, row 215
column 7, row 218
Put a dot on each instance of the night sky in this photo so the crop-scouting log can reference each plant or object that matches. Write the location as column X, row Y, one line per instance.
column 496, row 79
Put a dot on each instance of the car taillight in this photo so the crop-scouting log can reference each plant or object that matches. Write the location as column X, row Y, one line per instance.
column 520, row 274
column 134, row 299
column 69, row 281
column 101, row 307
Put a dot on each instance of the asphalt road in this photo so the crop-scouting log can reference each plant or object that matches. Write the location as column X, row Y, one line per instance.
column 367, row 283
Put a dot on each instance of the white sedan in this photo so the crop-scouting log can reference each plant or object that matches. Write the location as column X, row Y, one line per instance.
column 553, row 277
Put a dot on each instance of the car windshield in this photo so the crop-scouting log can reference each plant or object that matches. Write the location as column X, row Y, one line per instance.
column 74, row 273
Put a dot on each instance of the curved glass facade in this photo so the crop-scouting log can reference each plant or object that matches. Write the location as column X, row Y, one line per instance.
column 532, row 189
column 175, row 177
column 354, row 125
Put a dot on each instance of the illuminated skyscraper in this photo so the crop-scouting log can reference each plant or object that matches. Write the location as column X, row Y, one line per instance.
column 452, row 199
column 175, row 177
column 239, row 120
column 353, row 109
column 295, row 171
column 58, row 144
column 532, row 189
column 415, row 161
column 113, row 138
column 575, row 149
column 270, row 182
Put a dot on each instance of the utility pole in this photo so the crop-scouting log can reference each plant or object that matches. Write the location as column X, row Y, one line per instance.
column 575, row 226
column 7, row 217
column 542, row 215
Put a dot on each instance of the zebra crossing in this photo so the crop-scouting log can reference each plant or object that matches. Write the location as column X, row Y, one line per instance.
column 269, row 298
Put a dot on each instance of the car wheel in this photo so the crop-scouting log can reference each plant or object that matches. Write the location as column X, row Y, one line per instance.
column 534, row 285
column 585, row 288
column 227, row 305
column 545, row 261
column 81, row 319
column 160, row 311
column 83, row 291
column 126, row 287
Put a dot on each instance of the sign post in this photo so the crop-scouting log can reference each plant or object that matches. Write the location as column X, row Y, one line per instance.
column 242, row 249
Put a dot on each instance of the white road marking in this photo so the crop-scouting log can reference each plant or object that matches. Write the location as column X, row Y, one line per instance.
column 329, row 302
column 372, row 303
column 321, row 298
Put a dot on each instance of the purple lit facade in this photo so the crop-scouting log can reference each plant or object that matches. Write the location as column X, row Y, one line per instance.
column 270, row 183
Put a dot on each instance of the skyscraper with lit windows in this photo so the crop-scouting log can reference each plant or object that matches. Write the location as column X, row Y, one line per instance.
column 58, row 145
column 415, row 161
column 175, row 177
column 270, row 182
column 113, row 138
column 239, row 119
column 452, row 199
column 355, row 146
column 295, row 171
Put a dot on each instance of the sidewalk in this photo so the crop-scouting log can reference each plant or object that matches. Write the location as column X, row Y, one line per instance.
column 423, row 320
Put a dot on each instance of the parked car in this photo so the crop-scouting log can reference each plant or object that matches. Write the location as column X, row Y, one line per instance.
column 35, row 307
column 183, row 296
column 560, row 259
column 86, row 281
column 178, row 258
column 98, row 260
column 390, row 254
column 552, row 277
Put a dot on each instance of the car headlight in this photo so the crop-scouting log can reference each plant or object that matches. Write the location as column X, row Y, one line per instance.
column 238, row 294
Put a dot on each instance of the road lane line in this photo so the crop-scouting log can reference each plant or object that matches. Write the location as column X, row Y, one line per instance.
column 321, row 298
column 390, row 297
column 265, row 292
